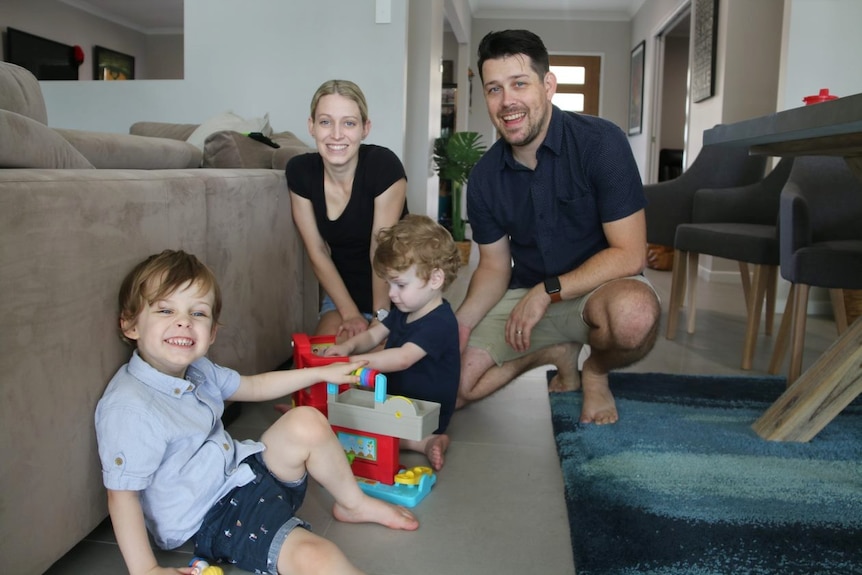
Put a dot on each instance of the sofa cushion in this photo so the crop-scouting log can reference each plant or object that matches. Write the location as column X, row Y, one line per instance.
column 286, row 152
column 27, row 143
column 124, row 151
column 20, row 93
column 228, row 121
column 229, row 149
column 163, row 130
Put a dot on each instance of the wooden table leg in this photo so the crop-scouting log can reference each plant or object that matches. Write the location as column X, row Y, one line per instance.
column 819, row 394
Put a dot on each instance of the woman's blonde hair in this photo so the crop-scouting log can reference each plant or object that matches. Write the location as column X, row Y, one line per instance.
column 344, row 88
column 418, row 240
column 160, row 275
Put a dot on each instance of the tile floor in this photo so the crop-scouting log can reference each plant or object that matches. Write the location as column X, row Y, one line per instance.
column 498, row 505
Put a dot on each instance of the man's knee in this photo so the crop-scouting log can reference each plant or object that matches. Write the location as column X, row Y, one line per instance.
column 634, row 323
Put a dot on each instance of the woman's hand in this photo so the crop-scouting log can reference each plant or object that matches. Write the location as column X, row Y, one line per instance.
column 336, row 351
column 350, row 327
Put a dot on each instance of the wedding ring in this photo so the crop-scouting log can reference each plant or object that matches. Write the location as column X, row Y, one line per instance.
column 519, row 332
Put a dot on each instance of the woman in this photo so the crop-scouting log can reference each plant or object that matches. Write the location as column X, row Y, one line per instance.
column 341, row 196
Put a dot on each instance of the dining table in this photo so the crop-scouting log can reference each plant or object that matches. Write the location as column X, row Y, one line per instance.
column 832, row 128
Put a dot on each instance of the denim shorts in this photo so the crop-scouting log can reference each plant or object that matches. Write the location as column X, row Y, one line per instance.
column 328, row 305
column 249, row 525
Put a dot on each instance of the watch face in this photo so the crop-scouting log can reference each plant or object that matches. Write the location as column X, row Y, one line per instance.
column 382, row 314
column 552, row 285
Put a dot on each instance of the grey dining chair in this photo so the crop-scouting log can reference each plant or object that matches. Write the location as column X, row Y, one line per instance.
column 669, row 203
column 738, row 224
column 820, row 239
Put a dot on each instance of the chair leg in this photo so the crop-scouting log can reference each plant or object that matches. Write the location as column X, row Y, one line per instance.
column 800, row 317
column 771, row 288
column 677, row 289
column 755, row 308
column 783, row 337
column 838, row 309
column 745, row 278
column 691, row 288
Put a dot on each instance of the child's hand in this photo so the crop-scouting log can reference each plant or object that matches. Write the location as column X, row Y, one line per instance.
column 336, row 351
column 341, row 372
column 171, row 571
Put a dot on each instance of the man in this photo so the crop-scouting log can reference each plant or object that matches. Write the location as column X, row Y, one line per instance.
column 556, row 206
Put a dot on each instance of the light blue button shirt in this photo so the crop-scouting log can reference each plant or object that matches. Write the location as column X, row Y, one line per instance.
column 163, row 436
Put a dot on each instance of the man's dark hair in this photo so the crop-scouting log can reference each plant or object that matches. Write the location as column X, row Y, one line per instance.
column 497, row 45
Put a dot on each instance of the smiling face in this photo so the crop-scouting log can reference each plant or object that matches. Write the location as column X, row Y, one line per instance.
column 519, row 101
column 174, row 331
column 338, row 129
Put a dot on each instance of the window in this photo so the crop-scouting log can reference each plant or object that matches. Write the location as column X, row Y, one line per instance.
column 577, row 83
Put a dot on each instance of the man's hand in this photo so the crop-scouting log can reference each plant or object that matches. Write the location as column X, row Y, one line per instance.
column 525, row 315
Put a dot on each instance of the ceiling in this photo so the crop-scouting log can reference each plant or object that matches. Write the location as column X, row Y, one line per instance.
column 166, row 16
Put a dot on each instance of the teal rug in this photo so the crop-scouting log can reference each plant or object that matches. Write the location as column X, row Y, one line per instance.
column 682, row 485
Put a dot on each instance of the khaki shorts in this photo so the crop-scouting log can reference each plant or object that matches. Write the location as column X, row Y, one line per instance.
column 562, row 323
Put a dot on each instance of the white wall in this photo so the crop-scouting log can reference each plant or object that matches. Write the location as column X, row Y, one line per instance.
column 823, row 50
column 424, row 92
column 165, row 56
column 258, row 57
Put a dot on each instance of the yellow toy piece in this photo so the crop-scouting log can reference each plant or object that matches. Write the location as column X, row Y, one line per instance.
column 201, row 567
column 413, row 476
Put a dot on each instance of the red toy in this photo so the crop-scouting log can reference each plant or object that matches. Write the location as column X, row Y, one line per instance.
column 307, row 352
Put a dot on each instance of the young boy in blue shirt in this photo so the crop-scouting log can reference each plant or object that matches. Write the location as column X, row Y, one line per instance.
column 171, row 467
column 421, row 358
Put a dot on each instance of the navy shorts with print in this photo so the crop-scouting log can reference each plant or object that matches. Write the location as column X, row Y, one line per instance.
column 248, row 526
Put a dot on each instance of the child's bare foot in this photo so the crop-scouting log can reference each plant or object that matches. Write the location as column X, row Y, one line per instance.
column 434, row 447
column 565, row 359
column 435, row 450
column 372, row 510
column 599, row 406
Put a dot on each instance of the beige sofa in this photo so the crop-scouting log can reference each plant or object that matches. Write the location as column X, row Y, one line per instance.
column 68, row 235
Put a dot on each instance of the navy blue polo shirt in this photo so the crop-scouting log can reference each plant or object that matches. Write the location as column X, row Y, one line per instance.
column 586, row 175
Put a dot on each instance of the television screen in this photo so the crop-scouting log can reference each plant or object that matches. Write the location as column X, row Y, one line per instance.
column 46, row 59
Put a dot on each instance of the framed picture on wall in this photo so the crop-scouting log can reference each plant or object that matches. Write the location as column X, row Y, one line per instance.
column 111, row 65
column 705, row 46
column 636, row 90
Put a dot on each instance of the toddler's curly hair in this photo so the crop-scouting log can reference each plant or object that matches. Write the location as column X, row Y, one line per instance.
column 417, row 240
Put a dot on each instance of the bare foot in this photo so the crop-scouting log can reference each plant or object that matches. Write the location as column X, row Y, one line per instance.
column 599, row 406
column 565, row 358
column 435, row 449
column 372, row 510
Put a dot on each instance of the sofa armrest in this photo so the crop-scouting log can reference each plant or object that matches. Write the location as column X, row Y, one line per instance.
column 123, row 151
column 163, row 130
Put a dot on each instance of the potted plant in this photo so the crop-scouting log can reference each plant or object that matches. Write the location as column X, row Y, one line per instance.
column 454, row 157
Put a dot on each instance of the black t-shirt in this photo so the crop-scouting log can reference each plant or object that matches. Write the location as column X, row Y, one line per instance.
column 349, row 236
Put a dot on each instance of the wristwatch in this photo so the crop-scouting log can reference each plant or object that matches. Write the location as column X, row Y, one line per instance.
column 552, row 288
column 381, row 314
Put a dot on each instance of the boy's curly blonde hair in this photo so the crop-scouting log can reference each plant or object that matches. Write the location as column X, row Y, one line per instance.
column 417, row 240
column 160, row 275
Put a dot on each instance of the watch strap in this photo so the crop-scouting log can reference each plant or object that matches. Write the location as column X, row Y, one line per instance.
column 553, row 288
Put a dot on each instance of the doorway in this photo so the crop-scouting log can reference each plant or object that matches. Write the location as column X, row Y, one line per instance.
column 670, row 97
